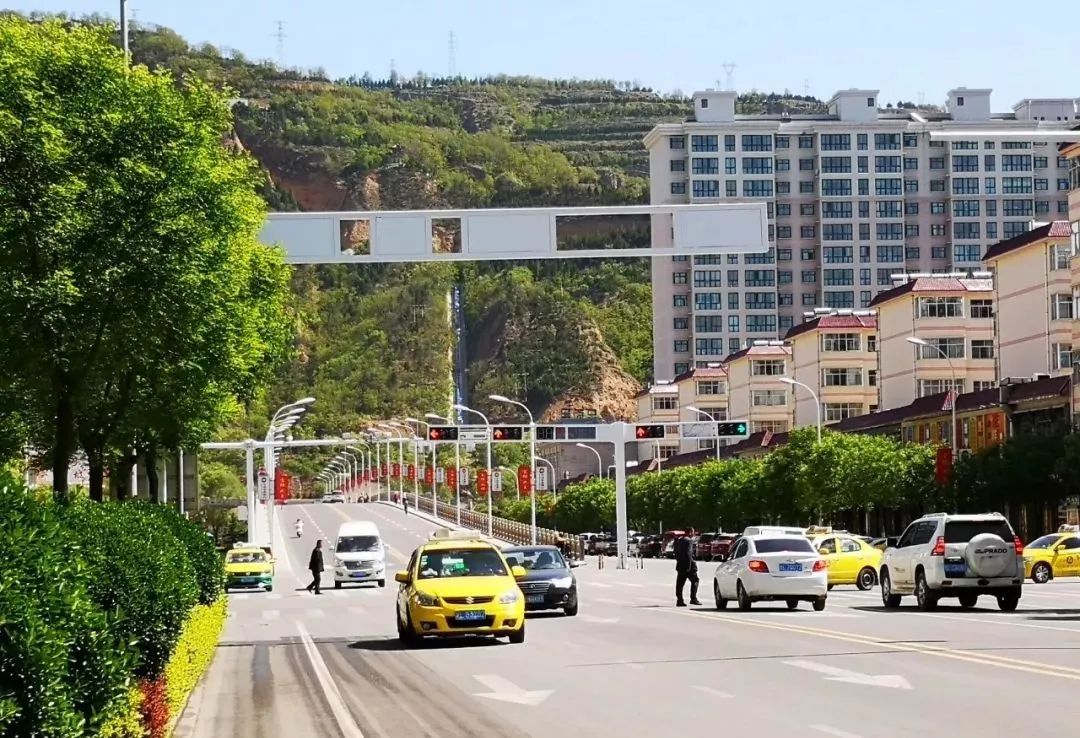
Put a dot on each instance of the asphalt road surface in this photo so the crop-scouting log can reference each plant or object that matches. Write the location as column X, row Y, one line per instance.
column 631, row 664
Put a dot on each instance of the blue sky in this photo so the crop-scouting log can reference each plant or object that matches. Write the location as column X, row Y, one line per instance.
column 907, row 50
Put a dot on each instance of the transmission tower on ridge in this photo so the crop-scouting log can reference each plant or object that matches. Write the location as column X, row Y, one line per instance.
column 280, row 36
column 452, row 56
column 729, row 75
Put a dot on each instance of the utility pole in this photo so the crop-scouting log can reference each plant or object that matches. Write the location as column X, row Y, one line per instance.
column 729, row 75
column 452, row 61
column 124, row 31
column 280, row 36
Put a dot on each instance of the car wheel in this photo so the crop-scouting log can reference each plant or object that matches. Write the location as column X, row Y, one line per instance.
column 405, row 631
column 924, row 597
column 270, row 588
column 744, row 599
column 792, row 603
column 968, row 600
column 721, row 603
column 829, row 587
column 819, row 604
column 1008, row 602
column 571, row 610
column 888, row 599
column 1041, row 573
column 337, row 584
column 382, row 582
column 518, row 636
column 866, row 579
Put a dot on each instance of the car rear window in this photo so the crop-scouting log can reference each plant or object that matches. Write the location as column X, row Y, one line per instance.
column 962, row 531
column 780, row 545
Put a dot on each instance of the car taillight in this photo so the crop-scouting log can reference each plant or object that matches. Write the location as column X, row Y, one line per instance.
column 939, row 547
column 759, row 566
column 1019, row 545
column 819, row 565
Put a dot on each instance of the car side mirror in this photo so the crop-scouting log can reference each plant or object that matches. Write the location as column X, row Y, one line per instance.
column 402, row 577
column 1059, row 547
column 518, row 572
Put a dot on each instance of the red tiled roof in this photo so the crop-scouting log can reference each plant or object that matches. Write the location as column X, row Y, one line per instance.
column 933, row 284
column 1056, row 229
column 833, row 321
column 759, row 351
column 704, row 372
column 660, row 388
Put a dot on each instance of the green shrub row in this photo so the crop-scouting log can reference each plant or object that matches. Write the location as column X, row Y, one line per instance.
column 92, row 597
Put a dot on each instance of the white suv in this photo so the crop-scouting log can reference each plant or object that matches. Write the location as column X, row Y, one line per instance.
column 964, row 556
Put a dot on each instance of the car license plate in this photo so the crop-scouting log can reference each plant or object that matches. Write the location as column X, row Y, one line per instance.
column 534, row 599
column 470, row 616
column 790, row 567
column 955, row 570
column 247, row 580
column 359, row 573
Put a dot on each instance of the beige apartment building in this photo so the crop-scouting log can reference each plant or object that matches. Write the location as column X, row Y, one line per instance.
column 704, row 388
column 1071, row 152
column 955, row 317
column 756, row 392
column 1034, row 302
column 834, row 353
column 853, row 195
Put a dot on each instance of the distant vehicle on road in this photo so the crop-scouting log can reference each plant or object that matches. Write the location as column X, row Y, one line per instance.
column 649, row 546
column 549, row 583
column 1053, row 555
column 459, row 584
column 668, row 537
column 713, row 546
column 359, row 554
column 333, row 497
column 963, row 556
column 249, row 568
column 771, row 567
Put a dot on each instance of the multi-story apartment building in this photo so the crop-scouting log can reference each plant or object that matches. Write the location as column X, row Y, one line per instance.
column 834, row 353
column 954, row 316
column 704, row 388
column 756, row 391
column 1034, row 301
column 853, row 196
column 1071, row 152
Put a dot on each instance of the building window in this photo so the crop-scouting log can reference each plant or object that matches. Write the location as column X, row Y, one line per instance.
column 783, row 209
column 759, row 278
column 808, row 276
column 938, row 386
column 783, row 165
column 966, row 231
column 887, row 164
column 680, row 257
column 911, row 230
column 886, row 140
column 809, row 298
column 967, row 252
column 838, row 277
column 951, row 347
column 729, row 142
column 712, row 387
column 680, row 324
column 1061, row 355
column 679, row 301
column 677, row 142
column 982, row 348
column 911, row 163
column 836, row 254
column 845, row 299
column 1016, row 162
column 679, row 277
column 733, row 324
column 911, row 140
column 785, row 299
column 941, row 307
column 709, row 347
column 782, row 142
column 665, row 402
column 834, row 142
column 706, row 188
column 758, row 301
column 681, row 345
column 871, row 378
column 784, row 232
column 757, row 188
column 707, row 301
column 982, row 309
column 1059, row 256
column 806, row 142
column 703, row 143
column 841, row 410
column 681, row 367
column 708, row 278
column 731, row 188
column 767, row 367
column 967, row 163
column 678, row 188
column 768, row 398
column 709, row 323
column 840, row 342
column 1042, row 185
column 757, row 165
column 678, row 165
column 1016, row 208
column 757, row 142
column 761, row 323
column 983, row 384
column 705, row 165
column 1014, row 228
column 1061, row 307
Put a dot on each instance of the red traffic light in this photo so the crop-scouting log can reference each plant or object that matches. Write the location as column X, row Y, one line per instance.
column 506, row 433
column 649, row 431
column 443, row 433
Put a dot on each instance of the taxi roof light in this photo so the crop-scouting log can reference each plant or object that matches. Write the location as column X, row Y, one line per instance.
column 445, row 534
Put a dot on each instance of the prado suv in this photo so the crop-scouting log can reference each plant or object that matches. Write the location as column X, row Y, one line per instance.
column 963, row 556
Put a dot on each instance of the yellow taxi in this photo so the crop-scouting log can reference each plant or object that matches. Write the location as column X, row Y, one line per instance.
column 249, row 567
column 1053, row 555
column 850, row 559
column 459, row 584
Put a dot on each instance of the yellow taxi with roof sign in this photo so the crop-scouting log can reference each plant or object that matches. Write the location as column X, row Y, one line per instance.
column 1053, row 555
column 851, row 560
column 459, row 584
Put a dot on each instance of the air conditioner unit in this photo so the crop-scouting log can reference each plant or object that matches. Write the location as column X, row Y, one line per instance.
column 1008, row 381
column 1039, row 375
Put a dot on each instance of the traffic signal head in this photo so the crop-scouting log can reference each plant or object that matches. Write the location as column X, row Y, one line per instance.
column 506, row 433
column 545, row 433
column 732, row 428
column 443, row 433
column 649, row 431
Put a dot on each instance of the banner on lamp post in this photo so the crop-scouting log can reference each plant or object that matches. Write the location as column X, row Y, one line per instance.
column 482, row 482
column 496, row 481
column 452, row 477
column 429, row 474
column 411, row 472
column 440, row 475
column 264, row 485
column 541, row 479
column 524, row 478
column 463, row 476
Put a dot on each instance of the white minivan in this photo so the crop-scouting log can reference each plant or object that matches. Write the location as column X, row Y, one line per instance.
column 359, row 554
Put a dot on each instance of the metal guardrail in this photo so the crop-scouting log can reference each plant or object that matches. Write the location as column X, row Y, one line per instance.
column 503, row 529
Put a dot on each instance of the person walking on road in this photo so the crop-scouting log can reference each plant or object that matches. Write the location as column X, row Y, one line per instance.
column 315, row 565
column 405, row 503
column 685, row 568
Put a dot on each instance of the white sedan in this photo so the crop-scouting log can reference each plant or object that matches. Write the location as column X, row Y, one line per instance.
column 771, row 567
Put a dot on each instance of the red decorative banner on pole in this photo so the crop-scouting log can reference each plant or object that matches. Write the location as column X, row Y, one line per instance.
column 482, row 482
column 410, row 472
column 281, row 486
column 429, row 474
column 943, row 465
column 451, row 477
column 382, row 470
column 524, row 479
column 395, row 470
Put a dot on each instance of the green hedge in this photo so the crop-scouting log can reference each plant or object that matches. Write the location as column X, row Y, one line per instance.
column 93, row 597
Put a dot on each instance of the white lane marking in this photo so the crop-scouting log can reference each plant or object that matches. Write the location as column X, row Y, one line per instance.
column 609, row 601
column 271, row 614
column 288, row 562
column 344, row 719
column 807, row 614
column 599, row 584
column 713, row 692
column 598, row 621
column 506, row 691
column 836, row 674
column 835, row 732
column 1005, row 620
column 631, row 584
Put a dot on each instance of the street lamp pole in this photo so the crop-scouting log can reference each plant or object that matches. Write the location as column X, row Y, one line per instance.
column 711, row 417
column 532, row 453
column 817, row 403
column 483, row 417
column 955, row 392
column 416, row 459
column 554, row 496
column 599, row 458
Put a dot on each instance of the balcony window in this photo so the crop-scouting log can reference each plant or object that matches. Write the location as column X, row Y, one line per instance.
column 1061, row 307
column 768, row 398
column 712, row 387
column 840, row 342
column 937, row 386
column 835, row 411
column 664, row 402
column 982, row 348
column 982, row 309
column 951, row 347
column 767, row 368
column 941, row 307
column 841, row 377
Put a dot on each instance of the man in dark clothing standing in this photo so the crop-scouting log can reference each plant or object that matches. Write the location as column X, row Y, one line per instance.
column 685, row 568
column 315, row 565
column 405, row 503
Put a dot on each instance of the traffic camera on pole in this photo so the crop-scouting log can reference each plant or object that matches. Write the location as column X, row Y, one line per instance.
column 443, row 433
column 649, row 431
column 506, row 433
